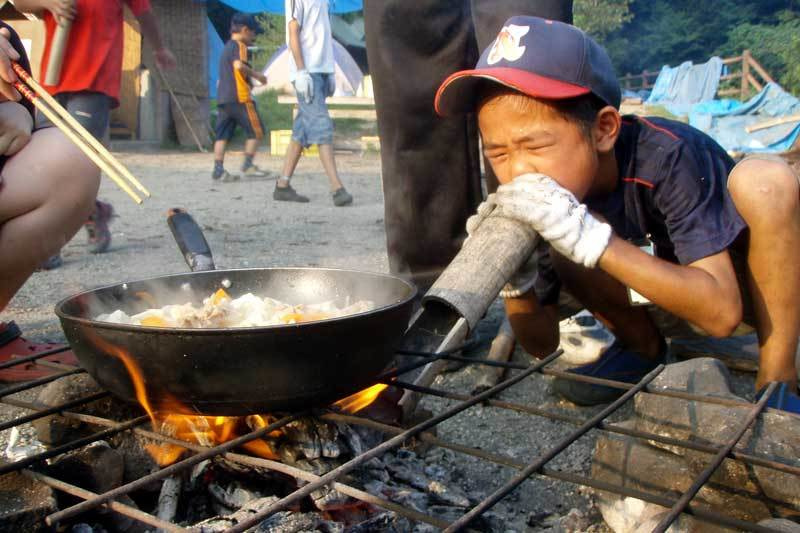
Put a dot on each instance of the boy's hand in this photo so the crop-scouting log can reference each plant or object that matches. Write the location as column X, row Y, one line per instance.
column 7, row 74
column 556, row 215
column 304, row 85
column 16, row 124
column 522, row 281
column 165, row 59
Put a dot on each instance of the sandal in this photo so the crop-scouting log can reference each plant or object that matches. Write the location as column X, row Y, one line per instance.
column 14, row 346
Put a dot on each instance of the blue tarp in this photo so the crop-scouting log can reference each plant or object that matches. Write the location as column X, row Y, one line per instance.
column 277, row 6
column 726, row 120
column 215, row 46
column 678, row 88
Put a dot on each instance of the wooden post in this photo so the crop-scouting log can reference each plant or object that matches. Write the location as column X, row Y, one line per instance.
column 745, row 74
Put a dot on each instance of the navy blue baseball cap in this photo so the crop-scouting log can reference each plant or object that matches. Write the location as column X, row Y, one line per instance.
column 541, row 58
column 244, row 19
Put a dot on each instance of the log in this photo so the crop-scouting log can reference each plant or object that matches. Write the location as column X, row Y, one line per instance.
column 772, row 122
column 168, row 498
column 500, row 351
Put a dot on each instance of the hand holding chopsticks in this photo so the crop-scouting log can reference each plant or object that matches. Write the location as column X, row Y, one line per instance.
column 76, row 133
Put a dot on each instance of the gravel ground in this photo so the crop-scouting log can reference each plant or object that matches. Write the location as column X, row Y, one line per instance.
column 246, row 228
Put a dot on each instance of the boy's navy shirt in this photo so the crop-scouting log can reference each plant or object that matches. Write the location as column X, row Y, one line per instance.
column 672, row 189
column 234, row 87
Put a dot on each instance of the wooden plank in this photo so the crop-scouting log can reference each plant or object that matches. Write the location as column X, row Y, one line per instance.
column 729, row 92
column 128, row 111
column 754, row 82
column 761, row 70
column 772, row 122
column 729, row 60
column 361, row 114
column 745, row 74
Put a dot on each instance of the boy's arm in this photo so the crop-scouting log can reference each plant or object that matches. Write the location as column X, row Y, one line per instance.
column 294, row 44
column 245, row 69
column 62, row 10
column 705, row 292
column 150, row 30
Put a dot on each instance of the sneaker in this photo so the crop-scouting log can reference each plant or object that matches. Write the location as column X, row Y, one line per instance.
column 224, row 175
column 97, row 232
column 255, row 172
column 51, row 263
column 617, row 363
column 341, row 197
column 783, row 398
column 288, row 194
column 14, row 346
column 583, row 338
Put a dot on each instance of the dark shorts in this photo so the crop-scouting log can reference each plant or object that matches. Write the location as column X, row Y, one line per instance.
column 235, row 114
column 92, row 110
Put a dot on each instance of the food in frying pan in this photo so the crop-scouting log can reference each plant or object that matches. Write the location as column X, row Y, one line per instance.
column 221, row 311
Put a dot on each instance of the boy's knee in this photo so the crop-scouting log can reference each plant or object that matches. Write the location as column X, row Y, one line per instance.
column 757, row 183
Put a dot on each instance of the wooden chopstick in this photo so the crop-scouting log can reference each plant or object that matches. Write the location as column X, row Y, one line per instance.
column 84, row 140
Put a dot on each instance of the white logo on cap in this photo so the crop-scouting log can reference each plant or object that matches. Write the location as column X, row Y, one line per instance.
column 507, row 46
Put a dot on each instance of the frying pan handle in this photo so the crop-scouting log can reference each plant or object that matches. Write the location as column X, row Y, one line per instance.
column 190, row 240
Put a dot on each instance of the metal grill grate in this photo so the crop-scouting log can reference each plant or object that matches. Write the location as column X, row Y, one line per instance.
column 399, row 436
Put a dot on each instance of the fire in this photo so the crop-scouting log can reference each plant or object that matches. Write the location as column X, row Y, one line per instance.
column 175, row 420
column 358, row 401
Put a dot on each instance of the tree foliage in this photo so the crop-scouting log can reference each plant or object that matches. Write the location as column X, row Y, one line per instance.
column 660, row 32
column 601, row 17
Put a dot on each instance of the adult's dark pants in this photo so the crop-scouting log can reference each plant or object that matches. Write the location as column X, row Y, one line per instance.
column 431, row 165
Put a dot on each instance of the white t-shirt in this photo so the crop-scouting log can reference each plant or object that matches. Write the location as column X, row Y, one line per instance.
column 316, row 41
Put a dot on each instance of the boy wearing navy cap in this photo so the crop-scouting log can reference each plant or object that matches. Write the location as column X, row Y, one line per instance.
column 630, row 210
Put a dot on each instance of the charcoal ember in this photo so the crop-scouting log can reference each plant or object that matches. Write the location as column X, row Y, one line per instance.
column 199, row 474
column 234, row 496
column 325, row 497
column 351, row 438
column 407, row 467
column 82, row 528
column 404, row 496
column 329, row 439
column 218, row 524
column 24, row 503
column 97, row 467
column 386, row 522
column 138, row 463
column 292, row 522
column 288, row 453
column 303, row 434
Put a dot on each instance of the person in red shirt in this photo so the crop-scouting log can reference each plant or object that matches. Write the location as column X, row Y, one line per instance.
column 91, row 72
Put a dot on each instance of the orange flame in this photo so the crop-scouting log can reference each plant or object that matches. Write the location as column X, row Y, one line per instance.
column 173, row 418
column 358, row 401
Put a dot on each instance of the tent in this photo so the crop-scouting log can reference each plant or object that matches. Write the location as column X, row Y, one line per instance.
column 277, row 6
column 348, row 75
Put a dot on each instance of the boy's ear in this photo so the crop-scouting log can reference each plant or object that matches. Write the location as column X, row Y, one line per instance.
column 606, row 128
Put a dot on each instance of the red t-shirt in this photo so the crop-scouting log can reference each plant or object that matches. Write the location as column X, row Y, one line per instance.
column 93, row 58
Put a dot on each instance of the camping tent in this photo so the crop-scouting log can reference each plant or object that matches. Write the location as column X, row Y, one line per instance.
column 348, row 75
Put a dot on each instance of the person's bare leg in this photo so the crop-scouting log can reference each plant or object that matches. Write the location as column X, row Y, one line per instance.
column 250, row 146
column 48, row 191
column 293, row 153
column 329, row 164
column 767, row 195
column 607, row 299
column 219, row 150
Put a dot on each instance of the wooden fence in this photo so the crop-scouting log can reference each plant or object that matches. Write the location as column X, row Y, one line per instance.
column 738, row 83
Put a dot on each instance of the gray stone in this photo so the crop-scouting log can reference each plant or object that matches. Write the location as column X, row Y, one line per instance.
column 97, row 467
column 781, row 524
column 626, row 461
column 55, row 430
column 24, row 503
column 775, row 435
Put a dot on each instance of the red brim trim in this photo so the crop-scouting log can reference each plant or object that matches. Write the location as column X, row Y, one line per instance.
column 456, row 94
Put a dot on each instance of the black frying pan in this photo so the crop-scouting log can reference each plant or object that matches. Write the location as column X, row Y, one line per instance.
column 241, row 370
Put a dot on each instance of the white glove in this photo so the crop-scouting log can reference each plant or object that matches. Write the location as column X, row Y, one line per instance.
column 304, row 86
column 556, row 215
column 523, row 280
